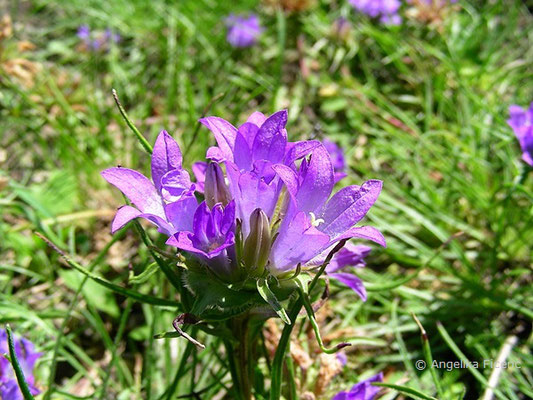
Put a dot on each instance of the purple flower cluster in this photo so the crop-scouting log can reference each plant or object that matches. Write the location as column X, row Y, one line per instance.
column 521, row 121
column 268, row 205
column 97, row 42
column 243, row 31
column 27, row 357
column 386, row 10
column 361, row 391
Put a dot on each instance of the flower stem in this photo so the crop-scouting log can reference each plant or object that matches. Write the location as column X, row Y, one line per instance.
column 283, row 345
column 239, row 358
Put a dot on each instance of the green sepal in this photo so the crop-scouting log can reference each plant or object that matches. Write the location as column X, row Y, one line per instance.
column 214, row 300
column 270, row 298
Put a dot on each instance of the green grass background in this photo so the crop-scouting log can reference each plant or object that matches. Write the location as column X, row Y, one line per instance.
column 422, row 107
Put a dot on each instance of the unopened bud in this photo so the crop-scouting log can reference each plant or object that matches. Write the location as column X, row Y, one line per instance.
column 215, row 189
column 257, row 244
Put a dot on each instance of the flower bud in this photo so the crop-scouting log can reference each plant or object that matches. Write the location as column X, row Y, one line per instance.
column 215, row 188
column 257, row 245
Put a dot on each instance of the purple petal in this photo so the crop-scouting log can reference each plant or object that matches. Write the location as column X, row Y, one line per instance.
column 214, row 153
column 297, row 150
column 257, row 118
column 362, row 232
column 10, row 390
column 175, row 184
column 180, row 213
column 137, row 188
column 352, row 281
column 243, row 144
column 288, row 177
column 224, row 134
column 183, row 241
column 298, row 243
column 228, row 220
column 350, row 255
column 339, row 176
column 317, row 181
column 198, row 169
column 165, row 157
column 363, row 390
column 250, row 192
column 348, row 206
column 341, row 356
column 124, row 215
column 271, row 138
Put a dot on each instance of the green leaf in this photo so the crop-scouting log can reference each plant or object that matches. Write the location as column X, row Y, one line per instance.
column 270, row 298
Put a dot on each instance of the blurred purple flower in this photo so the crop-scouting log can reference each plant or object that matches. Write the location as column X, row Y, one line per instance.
column 387, row 10
column 109, row 35
column 243, row 31
column 27, row 357
column 84, row 33
column 97, row 42
column 337, row 158
column 361, row 391
column 521, row 121
column 393, row 19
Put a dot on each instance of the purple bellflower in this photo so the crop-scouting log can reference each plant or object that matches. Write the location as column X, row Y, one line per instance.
column 268, row 203
column 27, row 357
column 167, row 201
column 263, row 173
column 211, row 238
column 521, row 121
column 243, row 31
column 361, row 391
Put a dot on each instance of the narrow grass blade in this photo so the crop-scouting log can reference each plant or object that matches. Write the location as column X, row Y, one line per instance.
column 147, row 146
column 457, row 351
column 16, row 366
column 428, row 356
column 143, row 298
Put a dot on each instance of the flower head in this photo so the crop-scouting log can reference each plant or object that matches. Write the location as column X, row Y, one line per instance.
column 27, row 357
column 521, row 121
column 268, row 206
column 291, row 182
column 363, row 390
column 243, row 31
